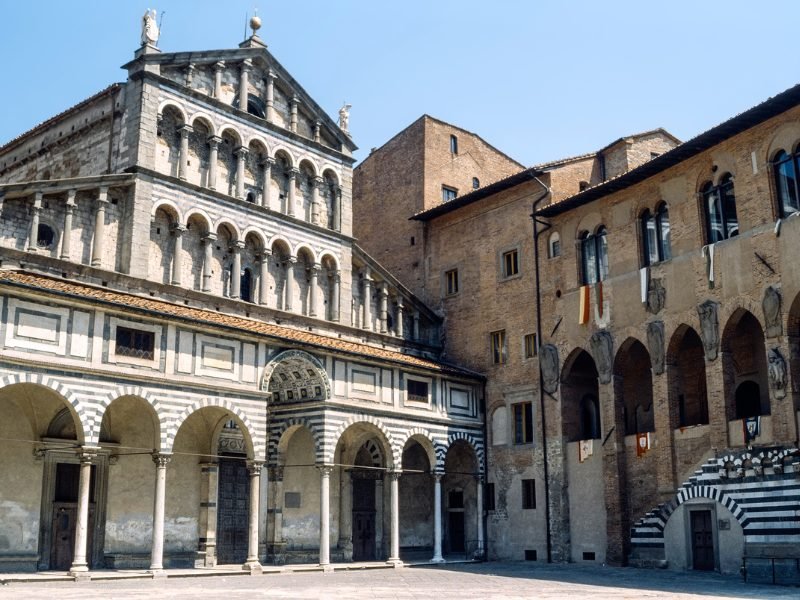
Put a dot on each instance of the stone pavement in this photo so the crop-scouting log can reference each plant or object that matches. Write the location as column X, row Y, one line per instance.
column 485, row 581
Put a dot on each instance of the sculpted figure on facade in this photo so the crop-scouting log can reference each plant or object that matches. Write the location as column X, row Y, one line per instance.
column 771, row 305
column 602, row 345
column 344, row 117
column 150, row 31
column 709, row 328
column 655, row 344
column 656, row 296
column 777, row 372
column 548, row 363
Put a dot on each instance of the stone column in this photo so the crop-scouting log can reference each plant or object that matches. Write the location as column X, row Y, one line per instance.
column 316, row 186
column 415, row 330
column 266, row 183
column 243, row 83
column 241, row 157
column 312, row 291
column 33, row 232
column 437, row 518
column 317, row 127
column 99, row 227
column 288, row 289
column 394, row 518
column 236, row 269
column 80, row 566
column 213, row 143
column 253, row 565
column 183, row 156
column 293, row 114
column 275, row 517
column 208, row 249
column 291, row 192
column 366, row 322
column 335, row 311
column 398, row 328
column 337, row 209
column 177, row 263
column 479, row 510
column 207, row 521
column 218, row 67
column 271, row 96
column 263, row 276
column 66, row 237
column 384, row 307
column 157, row 552
column 325, row 515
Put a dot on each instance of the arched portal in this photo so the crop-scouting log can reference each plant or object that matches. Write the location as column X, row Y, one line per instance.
column 460, row 498
column 416, row 500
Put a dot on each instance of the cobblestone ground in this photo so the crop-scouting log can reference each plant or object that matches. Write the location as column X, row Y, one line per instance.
column 486, row 581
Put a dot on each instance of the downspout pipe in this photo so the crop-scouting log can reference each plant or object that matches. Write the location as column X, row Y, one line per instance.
column 546, row 193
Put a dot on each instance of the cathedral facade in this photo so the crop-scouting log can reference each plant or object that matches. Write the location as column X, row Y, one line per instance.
column 199, row 366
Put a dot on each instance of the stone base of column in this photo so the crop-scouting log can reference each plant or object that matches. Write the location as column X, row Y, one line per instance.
column 326, row 568
column 253, row 567
column 396, row 563
column 437, row 560
column 80, row 573
column 157, row 573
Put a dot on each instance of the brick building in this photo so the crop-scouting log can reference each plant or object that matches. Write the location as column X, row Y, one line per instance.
column 184, row 304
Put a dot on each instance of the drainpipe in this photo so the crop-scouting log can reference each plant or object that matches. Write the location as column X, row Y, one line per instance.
column 536, row 222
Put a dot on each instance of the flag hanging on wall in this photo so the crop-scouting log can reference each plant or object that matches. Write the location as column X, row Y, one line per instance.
column 599, row 293
column 642, row 443
column 752, row 427
column 583, row 316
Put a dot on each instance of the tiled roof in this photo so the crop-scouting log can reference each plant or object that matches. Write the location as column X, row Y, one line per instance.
column 199, row 315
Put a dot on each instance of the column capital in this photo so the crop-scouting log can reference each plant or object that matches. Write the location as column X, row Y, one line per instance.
column 254, row 467
column 71, row 197
column 271, row 74
column 264, row 255
column 293, row 172
column 161, row 459
column 394, row 474
column 178, row 229
column 315, row 268
column 247, row 64
column 219, row 65
column 437, row 476
column 185, row 129
column 237, row 246
column 325, row 470
column 400, row 305
column 102, row 195
column 479, row 478
column 241, row 151
column 88, row 453
column 295, row 100
column 209, row 237
column 267, row 162
column 292, row 260
column 384, row 288
column 214, row 140
column 317, row 181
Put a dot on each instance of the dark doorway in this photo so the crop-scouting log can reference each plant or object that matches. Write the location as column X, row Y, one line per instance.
column 232, row 511
column 702, row 541
column 65, row 516
column 748, row 400
column 455, row 531
column 363, row 516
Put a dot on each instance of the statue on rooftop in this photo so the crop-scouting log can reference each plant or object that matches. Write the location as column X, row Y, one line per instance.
column 344, row 117
column 149, row 28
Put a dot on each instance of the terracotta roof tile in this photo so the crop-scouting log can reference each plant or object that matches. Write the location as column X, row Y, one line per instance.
column 199, row 315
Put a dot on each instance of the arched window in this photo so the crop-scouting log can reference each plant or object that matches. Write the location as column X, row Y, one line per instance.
column 594, row 256
column 476, row 183
column 246, row 286
column 748, row 400
column 554, row 245
column 45, row 237
column 786, row 169
column 655, row 235
column 719, row 206
column 590, row 418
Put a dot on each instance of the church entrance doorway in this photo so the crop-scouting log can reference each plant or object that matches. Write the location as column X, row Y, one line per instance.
column 702, row 540
column 65, row 516
column 363, row 515
column 232, row 511
column 455, row 522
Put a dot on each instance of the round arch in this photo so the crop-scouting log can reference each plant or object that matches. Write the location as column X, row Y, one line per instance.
column 424, row 439
column 171, row 104
column 242, row 421
column 378, row 428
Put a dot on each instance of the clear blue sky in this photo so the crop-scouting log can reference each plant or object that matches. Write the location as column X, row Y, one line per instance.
column 539, row 80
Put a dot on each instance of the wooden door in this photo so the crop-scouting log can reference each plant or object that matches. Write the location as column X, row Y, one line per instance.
column 64, row 517
column 363, row 519
column 455, row 531
column 702, row 540
column 233, row 505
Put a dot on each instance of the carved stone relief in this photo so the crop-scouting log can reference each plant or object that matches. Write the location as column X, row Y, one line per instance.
column 656, row 296
column 655, row 344
column 771, row 304
column 548, row 363
column 602, row 346
column 777, row 372
column 709, row 328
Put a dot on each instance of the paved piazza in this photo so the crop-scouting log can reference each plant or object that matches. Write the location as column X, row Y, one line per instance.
column 463, row 582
